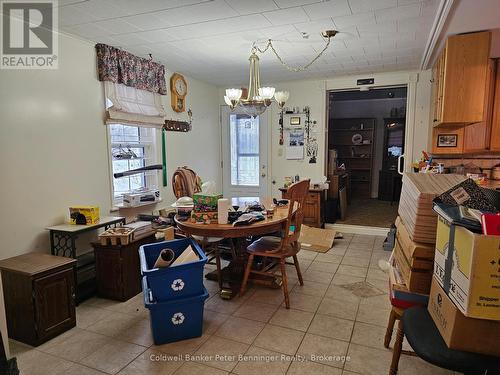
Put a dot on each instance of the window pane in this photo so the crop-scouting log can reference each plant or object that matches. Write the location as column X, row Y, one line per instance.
column 244, row 147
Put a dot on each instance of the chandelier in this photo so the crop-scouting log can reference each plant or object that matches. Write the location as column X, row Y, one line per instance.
column 258, row 98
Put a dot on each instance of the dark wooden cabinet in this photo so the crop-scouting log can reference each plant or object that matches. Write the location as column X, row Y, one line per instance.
column 118, row 269
column 39, row 292
column 314, row 207
column 389, row 186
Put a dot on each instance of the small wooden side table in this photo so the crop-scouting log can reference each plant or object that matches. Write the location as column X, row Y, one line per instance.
column 39, row 293
column 118, row 269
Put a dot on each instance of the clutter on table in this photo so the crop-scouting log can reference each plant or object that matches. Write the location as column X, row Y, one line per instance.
column 84, row 215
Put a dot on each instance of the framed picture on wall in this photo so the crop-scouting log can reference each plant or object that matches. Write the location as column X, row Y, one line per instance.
column 447, row 140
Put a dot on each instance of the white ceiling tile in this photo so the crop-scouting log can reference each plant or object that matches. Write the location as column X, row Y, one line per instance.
column 69, row 16
column 155, row 36
column 353, row 20
column 135, row 6
column 129, row 39
column 145, row 21
column 398, row 13
column 332, row 8
column 287, row 16
column 117, row 26
column 407, row 2
column 254, row 6
column 101, row 9
column 88, row 31
column 315, row 28
column 295, row 3
column 203, row 12
column 362, row 6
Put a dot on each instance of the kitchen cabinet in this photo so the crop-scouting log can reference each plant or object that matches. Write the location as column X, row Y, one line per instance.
column 39, row 293
column 448, row 140
column 495, row 122
column 314, row 206
column 460, row 79
column 477, row 135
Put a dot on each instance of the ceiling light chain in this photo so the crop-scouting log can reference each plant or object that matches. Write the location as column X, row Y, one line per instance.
column 288, row 67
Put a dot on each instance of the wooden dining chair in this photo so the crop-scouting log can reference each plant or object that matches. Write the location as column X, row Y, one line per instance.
column 275, row 250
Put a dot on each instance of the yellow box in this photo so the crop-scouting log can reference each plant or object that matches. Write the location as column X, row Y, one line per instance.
column 78, row 213
column 470, row 273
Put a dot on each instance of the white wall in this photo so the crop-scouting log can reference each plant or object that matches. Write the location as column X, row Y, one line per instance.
column 313, row 94
column 53, row 145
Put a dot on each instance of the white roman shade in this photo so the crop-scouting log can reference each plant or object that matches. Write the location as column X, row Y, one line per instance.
column 128, row 105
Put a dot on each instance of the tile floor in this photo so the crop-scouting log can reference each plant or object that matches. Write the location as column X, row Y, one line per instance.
column 326, row 322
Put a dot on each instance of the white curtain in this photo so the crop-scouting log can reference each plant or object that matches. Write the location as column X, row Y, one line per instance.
column 128, row 105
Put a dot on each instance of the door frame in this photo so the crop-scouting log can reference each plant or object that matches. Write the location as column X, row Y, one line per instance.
column 408, row 79
column 266, row 189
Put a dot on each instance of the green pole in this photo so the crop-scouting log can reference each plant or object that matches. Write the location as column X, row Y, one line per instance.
column 164, row 156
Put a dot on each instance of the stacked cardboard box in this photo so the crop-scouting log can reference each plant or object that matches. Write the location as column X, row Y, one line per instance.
column 415, row 204
column 205, row 208
column 414, row 261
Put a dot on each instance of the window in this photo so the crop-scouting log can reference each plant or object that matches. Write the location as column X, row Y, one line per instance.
column 244, row 135
column 132, row 147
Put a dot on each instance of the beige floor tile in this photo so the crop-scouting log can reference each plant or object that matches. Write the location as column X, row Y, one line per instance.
column 17, row 348
column 306, row 254
column 369, row 335
column 240, row 329
column 218, row 304
column 352, row 271
column 268, row 295
column 221, row 353
column 411, row 365
column 324, row 350
column 114, row 325
column 152, row 362
column 377, row 273
column 212, row 320
column 304, row 302
column 331, row 326
column 312, row 368
column 280, row 339
column 337, row 292
column 183, row 347
column 368, row 361
column 338, row 308
column 355, row 261
column 311, row 288
column 76, row 346
column 78, row 369
column 258, row 361
column 317, row 276
column 381, row 254
column 113, row 356
column 291, row 318
column 101, row 302
column 379, row 284
column 193, row 368
column 261, row 312
column 87, row 315
column 381, row 302
column 366, row 248
column 138, row 333
column 363, row 238
column 34, row 362
column 323, row 266
column 332, row 256
column 372, row 315
column 340, row 279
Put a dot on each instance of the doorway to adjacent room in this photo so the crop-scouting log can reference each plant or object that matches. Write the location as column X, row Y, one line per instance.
column 366, row 138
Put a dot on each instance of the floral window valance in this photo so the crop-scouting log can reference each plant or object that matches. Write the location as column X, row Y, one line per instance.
column 120, row 66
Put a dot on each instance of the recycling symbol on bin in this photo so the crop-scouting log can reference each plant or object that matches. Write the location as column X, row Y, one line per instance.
column 177, row 284
column 178, row 318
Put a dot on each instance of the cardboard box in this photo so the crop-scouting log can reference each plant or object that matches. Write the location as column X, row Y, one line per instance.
column 470, row 273
column 205, row 202
column 89, row 214
column 204, row 217
column 399, row 294
column 458, row 331
column 411, row 249
column 416, row 280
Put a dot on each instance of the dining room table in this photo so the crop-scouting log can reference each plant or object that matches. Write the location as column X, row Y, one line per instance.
column 239, row 237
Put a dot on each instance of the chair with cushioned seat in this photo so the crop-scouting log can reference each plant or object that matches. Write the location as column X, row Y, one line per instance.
column 275, row 250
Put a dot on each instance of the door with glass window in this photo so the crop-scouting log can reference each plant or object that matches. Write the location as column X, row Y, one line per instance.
column 244, row 154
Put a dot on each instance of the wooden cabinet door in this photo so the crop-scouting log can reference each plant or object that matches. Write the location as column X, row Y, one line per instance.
column 495, row 122
column 465, row 78
column 442, row 148
column 312, row 209
column 54, row 302
column 477, row 135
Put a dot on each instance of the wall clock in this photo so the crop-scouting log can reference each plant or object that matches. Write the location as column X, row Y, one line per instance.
column 178, row 88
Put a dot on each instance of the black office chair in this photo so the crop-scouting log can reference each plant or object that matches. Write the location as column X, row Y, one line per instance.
column 425, row 339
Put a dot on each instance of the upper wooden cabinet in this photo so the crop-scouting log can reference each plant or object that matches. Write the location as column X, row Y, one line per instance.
column 460, row 79
column 495, row 122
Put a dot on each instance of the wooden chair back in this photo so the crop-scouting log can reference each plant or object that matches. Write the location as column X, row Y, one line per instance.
column 296, row 194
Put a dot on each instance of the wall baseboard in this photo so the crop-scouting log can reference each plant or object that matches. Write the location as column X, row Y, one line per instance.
column 358, row 229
